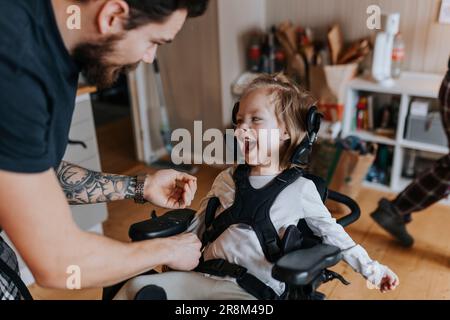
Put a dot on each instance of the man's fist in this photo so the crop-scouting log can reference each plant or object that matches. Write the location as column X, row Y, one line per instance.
column 170, row 189
column 184, row 252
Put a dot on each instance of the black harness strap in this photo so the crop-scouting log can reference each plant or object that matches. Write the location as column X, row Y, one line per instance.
column 309, row 240
column 210, row 212
column 248, row 282
column 251, row 207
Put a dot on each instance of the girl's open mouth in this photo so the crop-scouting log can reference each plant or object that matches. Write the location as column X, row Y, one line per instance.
column 249, row 145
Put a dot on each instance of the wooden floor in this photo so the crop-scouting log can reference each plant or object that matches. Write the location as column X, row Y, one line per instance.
column 424, row 270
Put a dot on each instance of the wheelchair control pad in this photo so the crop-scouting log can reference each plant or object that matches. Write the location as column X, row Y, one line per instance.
column 301, row 267
column 172, row 223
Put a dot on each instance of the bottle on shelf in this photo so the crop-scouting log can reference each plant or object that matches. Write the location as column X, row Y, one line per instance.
column 265, row 55
column 398, row 56
column 254, row 55
column 280, row 60
column 361, row 115
column 271, row 49
column 410, row 164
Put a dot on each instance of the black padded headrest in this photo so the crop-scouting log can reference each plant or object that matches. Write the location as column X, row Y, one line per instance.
column 313, row 121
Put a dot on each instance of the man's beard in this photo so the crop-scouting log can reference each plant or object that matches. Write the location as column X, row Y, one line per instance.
column 93, row 58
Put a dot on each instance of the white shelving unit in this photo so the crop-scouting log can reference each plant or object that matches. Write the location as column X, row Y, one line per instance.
column 409, row 86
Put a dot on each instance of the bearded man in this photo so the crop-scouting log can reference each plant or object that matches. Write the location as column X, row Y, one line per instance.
column 40, row 62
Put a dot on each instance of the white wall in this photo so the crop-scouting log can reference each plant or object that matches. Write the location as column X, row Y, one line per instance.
column 427, row 41
column 236, row 18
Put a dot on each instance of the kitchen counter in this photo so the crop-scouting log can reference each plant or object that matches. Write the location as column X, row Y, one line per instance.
column 85, row 90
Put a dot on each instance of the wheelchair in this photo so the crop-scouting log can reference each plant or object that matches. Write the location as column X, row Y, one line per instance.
column 302, row 267
column 303, row 271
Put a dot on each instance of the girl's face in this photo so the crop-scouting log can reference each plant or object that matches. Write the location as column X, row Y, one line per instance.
column 258, row 131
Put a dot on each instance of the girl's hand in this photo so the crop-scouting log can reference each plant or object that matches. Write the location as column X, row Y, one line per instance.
column 389, row 281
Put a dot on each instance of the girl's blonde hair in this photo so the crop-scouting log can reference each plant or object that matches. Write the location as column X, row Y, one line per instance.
column 291, row 103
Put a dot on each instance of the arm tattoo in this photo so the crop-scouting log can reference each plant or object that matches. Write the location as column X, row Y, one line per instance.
column 82, row 186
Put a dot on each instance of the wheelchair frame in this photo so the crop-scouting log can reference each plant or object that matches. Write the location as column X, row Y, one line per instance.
column 302, row 283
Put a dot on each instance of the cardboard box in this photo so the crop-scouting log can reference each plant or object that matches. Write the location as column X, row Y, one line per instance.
column 328, row 85
column 349, row 175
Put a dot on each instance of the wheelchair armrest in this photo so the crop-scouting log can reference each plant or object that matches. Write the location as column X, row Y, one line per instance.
column 170, row 224
column 302, row 267
column 355, row 211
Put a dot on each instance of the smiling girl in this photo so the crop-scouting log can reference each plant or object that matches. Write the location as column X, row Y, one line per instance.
column 270, row 125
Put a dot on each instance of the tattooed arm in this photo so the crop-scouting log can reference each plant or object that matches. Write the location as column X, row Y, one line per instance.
column 166, row 188
column 50, row 241
column 82, row 186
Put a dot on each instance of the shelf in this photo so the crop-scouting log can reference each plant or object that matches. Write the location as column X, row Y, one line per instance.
column 410, row 83
column 414, row 145
column 371, row 137
column 85, row 90
column 402, row 184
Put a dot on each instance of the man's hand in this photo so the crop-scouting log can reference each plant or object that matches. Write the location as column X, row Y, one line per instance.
column 170, row 189
column 184, row 252
column 36, row 217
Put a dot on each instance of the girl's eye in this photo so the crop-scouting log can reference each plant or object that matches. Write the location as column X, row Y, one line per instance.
column 256, row 119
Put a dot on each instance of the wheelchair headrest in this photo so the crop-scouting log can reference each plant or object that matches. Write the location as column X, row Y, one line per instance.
column 303, row 152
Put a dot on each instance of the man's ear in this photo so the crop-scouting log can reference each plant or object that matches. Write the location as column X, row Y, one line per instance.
column 112, row 17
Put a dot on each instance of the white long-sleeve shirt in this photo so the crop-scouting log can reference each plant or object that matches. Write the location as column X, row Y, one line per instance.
column 300, row 200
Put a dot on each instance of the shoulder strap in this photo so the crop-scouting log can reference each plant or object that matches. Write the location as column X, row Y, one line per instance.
column 289, row 176
column 265, row 230
column 210, row 215
column 211, row 209
column 240, row 177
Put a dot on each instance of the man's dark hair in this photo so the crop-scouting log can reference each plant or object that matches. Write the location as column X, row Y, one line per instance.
column 145, row 11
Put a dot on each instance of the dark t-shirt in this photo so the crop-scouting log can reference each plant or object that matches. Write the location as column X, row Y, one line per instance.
column 38, row 84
